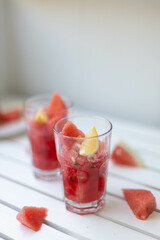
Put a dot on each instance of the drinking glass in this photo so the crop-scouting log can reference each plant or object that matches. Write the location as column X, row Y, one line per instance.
column 84, row 177
column 44, row 159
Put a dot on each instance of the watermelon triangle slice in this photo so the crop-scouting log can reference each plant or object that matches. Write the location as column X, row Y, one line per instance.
column 71, row 130
column 11, row 114
column 32, row 217
column 56, row 103
column 142, row 202
column 122, row 154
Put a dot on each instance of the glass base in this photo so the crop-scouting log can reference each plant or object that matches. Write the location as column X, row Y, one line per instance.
column 84, row 208
column 47, row 175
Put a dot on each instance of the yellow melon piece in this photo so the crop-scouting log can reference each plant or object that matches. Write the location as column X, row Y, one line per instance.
column 90, row 145
column 41, row 116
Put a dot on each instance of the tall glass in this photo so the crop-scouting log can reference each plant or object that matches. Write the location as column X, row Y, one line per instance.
column 84, row 177
column 41, row 136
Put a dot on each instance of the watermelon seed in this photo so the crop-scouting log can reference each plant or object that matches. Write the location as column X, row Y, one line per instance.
column 71, row 179
column 93, row 166
column 76, row 163
column 73, row 159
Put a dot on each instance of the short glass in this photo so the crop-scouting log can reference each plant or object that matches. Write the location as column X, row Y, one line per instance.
column 41, row 136
column 84, row 177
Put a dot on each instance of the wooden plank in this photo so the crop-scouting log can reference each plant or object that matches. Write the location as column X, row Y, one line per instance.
column 119, row 211
column 116, row 184
column 150, row 159
column 139, row 175
column 149, row 152
column 22, row 153
column 144, row 140
column 88, row 226
column 23, row 174
column 131, row 128
column 144, row 132
column 10, row 227
column 121, row 130
column 23, row 139
column 15, row 150
column 140, row 146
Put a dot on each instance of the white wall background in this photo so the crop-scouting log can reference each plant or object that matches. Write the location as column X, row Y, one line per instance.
column 3, row 50
column 104, row 54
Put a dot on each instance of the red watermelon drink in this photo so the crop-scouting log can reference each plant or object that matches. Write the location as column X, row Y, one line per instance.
column 83, row 148
column 41, row 113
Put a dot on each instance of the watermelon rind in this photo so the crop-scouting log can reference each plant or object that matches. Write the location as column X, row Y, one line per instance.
column 137, row 158
column 141, row 201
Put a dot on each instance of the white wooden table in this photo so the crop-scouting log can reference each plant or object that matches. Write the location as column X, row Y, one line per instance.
column 18, row 188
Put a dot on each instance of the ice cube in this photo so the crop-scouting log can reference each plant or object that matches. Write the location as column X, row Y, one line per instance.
column 76, row 146
column 73, row 154
column 81, row 160
column 73, row 160
column 92, row 158
column 82, row 176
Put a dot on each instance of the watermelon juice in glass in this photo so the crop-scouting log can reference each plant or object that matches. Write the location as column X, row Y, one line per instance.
column 41, row 113
column 83, row 149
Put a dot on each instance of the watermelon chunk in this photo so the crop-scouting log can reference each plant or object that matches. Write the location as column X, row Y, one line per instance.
column 32, row 217
column 122, row 154
column 51, row 123
column 10, row 115
column 71, row 130
column 142, row 202
column 56, row 103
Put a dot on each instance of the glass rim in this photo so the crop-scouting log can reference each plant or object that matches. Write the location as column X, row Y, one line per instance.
column 83, row 116
column 37, row 97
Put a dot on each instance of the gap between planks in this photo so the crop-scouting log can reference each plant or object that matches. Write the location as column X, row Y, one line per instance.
column 112, row 174
column 68, row 232
column 5, row 237
column 129, row 226
column 48, row 223
column 151, row 168
column 133, row 181
column 8, row 158
column 59, row 199
column 156, row 237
